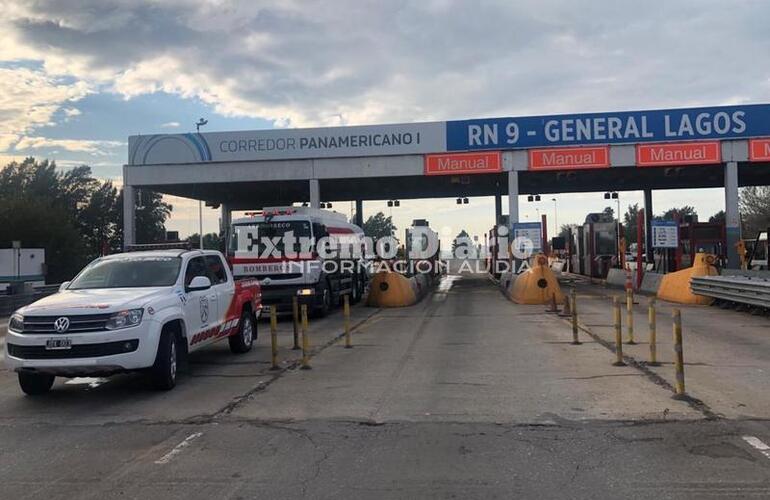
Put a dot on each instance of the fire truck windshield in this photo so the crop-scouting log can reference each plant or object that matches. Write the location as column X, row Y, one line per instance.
column 252, row 238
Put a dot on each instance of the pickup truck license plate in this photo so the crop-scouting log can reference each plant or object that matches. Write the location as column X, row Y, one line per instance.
column 58, row 344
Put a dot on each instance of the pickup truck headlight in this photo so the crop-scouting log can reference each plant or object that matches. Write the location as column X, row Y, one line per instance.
column 124, row 319
column 16, row 323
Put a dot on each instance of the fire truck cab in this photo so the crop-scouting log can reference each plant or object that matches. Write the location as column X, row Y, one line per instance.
column 298, row 251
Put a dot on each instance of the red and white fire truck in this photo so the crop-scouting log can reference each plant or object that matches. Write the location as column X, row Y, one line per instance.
column 299, row 251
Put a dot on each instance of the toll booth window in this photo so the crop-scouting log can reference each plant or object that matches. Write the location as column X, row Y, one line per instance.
column 605, row 243
column 216, row 270
column 710, row 233
column 759, row 248
column 196, row 267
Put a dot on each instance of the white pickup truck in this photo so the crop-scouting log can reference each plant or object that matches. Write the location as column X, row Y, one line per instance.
column 129, row 312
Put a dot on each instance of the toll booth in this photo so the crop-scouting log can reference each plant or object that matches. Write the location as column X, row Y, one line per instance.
column 757, row 252
column 575, row 250
column 494, row 252
column 430, row 264
column 697, row 236
column 597, row 245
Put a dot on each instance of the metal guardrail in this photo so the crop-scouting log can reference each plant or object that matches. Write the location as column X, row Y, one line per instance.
column 738, row 289
column 9, row 303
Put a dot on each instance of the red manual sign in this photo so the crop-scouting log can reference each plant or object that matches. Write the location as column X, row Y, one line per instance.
column 463, row 163
column 678, row 153
column 759, row 150
column 569, row 158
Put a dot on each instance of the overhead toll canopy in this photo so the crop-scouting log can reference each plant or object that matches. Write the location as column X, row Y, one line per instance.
column 629, row 150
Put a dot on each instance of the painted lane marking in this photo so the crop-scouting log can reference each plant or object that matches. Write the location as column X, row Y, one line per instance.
column 759, row 445
column 178, row 448
column 446, row 283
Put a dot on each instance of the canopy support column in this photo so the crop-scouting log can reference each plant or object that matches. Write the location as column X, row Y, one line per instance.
column 732, row 214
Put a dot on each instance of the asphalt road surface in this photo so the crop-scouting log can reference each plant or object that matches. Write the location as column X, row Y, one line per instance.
column 464, row 395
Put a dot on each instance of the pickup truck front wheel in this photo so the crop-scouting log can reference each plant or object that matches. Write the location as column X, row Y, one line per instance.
column 242, row 341
column 163, row 372
column 35, row 384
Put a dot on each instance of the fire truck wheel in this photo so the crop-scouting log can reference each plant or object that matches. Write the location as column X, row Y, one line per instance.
column 324, row 295
column 355, row 292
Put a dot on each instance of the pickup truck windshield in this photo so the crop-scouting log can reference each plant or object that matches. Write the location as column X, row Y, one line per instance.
column 128, row 272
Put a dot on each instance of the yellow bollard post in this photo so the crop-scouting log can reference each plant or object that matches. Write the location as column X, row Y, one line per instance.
column 295, row 319
column 346, row 314
column 630, row 316
column 653, row 334
column 274, row 339
column 618, row 334
column 679, row 355
column 573, row 310
column 305, row 340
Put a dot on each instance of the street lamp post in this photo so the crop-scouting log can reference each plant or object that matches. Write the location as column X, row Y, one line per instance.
column 200, row 224
column 615, row 196
column 555, row 222
column 618, row 222
column 201, row 122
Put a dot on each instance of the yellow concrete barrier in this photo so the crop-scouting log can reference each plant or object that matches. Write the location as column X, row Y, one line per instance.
column 675, row 287
column 537, row 285
column 390, row 289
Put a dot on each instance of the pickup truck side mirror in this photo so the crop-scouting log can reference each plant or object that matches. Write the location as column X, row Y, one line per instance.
column 199, row 283
column 64, row 285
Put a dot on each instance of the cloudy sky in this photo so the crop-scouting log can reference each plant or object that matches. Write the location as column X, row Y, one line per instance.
column 77, row 77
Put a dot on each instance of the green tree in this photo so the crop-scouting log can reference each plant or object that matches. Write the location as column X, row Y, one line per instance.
column 72, row 215
column 97, row 220
column 211, row 241
column 682, row 211
column 630, row 219
column 463, row 239
column 609, row 212
column 718, row 218
column 755, row 209
column 150, row 219
column 37, row 210
column 378, row 226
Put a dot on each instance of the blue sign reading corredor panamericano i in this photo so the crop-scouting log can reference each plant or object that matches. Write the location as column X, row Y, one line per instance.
column 724, row 122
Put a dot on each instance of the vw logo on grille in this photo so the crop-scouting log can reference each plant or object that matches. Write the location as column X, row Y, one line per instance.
column 62, row 324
